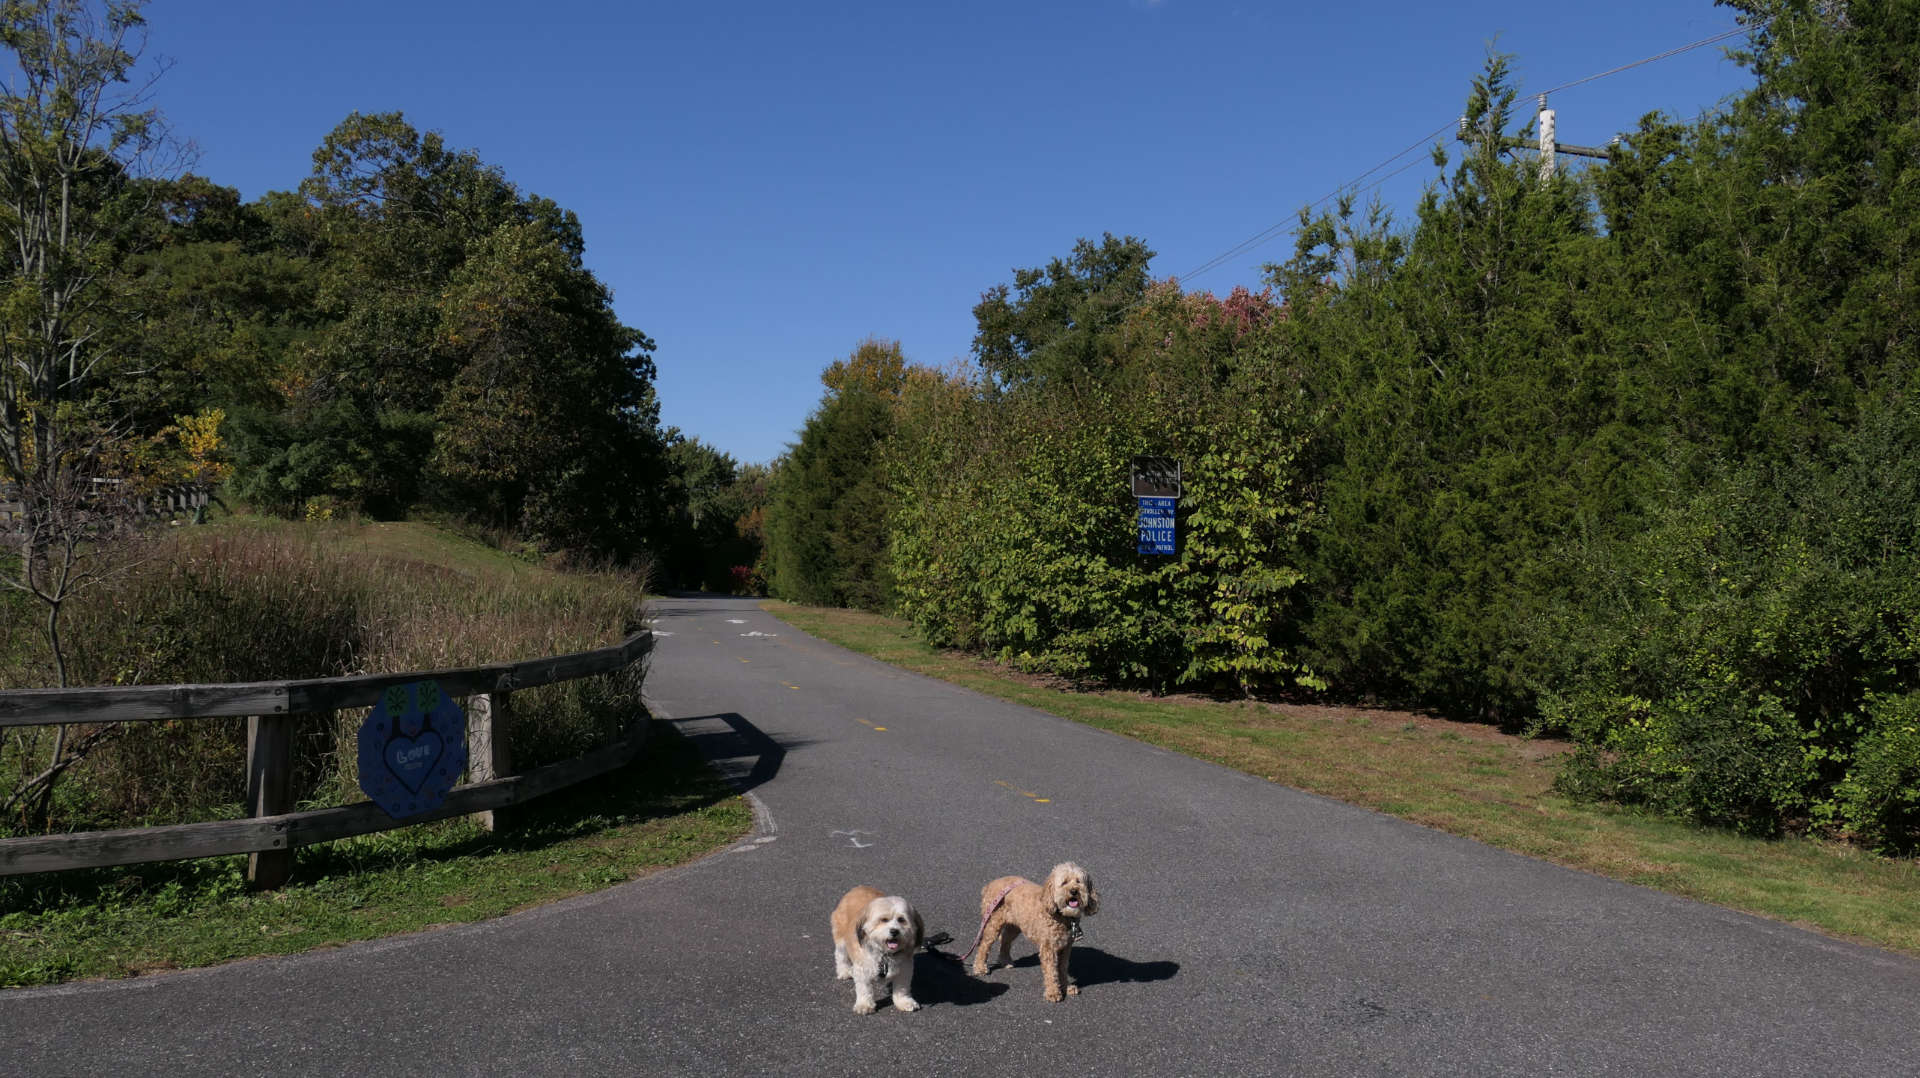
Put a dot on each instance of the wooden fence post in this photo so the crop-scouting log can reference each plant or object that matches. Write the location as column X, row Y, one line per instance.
column 488, row 717
column 269, row 792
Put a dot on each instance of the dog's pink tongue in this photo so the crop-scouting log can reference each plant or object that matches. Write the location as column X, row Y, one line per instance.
column 893, row 945
column 1074, row 902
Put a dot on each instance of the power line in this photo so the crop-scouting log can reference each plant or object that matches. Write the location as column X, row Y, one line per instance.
column 1722, row 36
column 1353, row 185
column 1266, row 234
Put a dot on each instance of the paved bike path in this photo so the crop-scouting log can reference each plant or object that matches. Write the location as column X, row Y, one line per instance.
column 1245, row 928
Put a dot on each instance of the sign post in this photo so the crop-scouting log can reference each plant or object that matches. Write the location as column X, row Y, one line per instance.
column 1156, row 490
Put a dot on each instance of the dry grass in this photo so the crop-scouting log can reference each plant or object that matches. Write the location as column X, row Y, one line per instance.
column 262, row 600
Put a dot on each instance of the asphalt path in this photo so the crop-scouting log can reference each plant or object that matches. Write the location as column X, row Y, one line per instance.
column 1244, row 928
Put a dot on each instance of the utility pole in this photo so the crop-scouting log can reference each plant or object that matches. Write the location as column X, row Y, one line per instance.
column 1549, row 145
column 1549, row 148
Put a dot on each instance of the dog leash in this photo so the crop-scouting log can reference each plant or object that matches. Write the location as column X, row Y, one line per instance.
column 933, row 943
column 983, row 922
column 1076, row 932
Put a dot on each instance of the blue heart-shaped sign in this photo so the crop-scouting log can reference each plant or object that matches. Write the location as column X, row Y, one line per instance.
column 413, row 747
column 411, row 758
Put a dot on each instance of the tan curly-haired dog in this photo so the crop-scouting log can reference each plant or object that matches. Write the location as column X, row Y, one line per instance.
column 1047, row 913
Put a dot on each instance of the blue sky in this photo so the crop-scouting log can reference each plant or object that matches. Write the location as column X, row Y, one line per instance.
column 764, row 185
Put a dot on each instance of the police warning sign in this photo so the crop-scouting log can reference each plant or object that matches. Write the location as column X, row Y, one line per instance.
column 1156, row 525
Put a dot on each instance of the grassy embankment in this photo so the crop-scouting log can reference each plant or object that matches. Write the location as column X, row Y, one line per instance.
column 1461, row 778
column 410, row 597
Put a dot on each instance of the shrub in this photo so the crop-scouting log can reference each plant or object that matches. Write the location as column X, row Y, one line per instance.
column 1014, row 528
column 1717, row 759
column 1736, row 663
column 1879, row 801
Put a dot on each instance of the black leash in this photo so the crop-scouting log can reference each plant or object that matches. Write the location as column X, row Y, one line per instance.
column 936, row 941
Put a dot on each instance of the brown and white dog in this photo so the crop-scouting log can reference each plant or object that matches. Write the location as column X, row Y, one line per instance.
column 874, row 937
column 1047, row 913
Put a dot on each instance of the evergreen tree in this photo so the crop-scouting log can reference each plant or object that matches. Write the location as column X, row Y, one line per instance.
column 827, row 519
column 1749, row 661
column 827, row 513
column 1465, row 415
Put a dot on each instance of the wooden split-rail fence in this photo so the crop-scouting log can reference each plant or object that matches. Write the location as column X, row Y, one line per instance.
column 272, row 831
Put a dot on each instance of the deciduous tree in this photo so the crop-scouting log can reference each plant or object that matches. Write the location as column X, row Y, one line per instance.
column 75, row 132
column 1055, row 322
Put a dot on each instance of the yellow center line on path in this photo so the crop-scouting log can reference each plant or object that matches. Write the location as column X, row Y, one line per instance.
column 876, row 729
column 1030, row 795
column 790, row 685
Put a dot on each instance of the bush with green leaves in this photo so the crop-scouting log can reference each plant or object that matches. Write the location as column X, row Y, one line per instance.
column 1014, row 527
column 1879, row 800
column 1741, row 663
column 334, row 453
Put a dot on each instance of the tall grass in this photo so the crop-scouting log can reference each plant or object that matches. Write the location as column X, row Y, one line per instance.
column 257, row 601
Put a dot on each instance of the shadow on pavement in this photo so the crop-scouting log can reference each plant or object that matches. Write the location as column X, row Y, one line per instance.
column 730, row 750
column 941, row 979
column 1091, row 965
